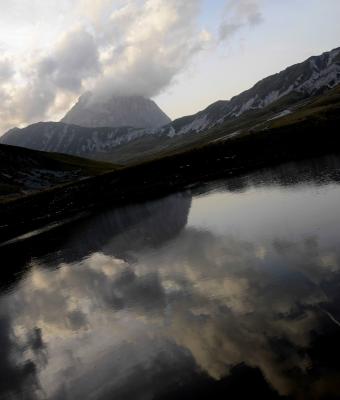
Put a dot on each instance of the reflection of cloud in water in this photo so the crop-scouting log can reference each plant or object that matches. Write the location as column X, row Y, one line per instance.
column 212, row 296
column 20, row 361
column 238, row 304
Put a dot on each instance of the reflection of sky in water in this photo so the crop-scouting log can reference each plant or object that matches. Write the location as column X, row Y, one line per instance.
column 159, row 295
column 268, row 212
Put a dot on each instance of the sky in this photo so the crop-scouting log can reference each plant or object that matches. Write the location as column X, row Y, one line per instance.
column 183, row 54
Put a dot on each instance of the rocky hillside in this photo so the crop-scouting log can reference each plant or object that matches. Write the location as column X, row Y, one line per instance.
column 24, row 171
column 69, row 139
column 133, row 111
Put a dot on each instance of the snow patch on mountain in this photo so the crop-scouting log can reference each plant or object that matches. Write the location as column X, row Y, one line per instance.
column 279, row 115
column 196, row 125
column 248, row 105
column 328, row 77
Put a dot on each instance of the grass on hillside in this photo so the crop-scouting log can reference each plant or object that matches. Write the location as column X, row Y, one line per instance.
column 20, row 165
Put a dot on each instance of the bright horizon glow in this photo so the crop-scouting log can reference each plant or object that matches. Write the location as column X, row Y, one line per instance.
column 53, row 51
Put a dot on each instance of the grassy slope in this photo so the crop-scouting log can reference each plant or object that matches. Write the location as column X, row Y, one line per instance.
column 24, row 171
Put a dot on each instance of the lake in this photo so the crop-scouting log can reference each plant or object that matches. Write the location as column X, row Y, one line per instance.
column 229, row 289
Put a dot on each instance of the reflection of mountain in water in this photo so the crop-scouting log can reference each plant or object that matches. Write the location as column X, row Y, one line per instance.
column 131, row 228
column 114, row 232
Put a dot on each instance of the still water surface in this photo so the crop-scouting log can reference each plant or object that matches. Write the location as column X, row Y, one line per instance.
column 228, row 291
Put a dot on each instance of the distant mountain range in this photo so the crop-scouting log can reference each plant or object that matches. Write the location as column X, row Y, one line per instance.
column 274, row 97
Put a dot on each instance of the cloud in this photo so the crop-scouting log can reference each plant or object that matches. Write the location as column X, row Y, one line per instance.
column 6, row 70
column 204, row 299
column 239, row 14
column 114, row 47
column 147, row 45
column 133, row 48
column 75, row 59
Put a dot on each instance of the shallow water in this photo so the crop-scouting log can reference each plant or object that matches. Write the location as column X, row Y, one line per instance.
column 229, row 291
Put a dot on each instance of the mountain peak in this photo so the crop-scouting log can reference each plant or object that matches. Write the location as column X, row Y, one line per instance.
column 115, row 111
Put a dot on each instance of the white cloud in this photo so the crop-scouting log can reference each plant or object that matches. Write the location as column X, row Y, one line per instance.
column 114, row 47
column 6, row 70
column 75, row 59
column 146, row 45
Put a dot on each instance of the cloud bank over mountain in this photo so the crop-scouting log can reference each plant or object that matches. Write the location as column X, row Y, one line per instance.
column 109, row 47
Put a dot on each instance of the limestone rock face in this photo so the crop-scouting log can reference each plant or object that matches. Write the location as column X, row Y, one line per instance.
column 117, row 111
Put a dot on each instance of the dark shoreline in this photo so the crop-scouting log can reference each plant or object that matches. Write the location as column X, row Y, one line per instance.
column 157, row 178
